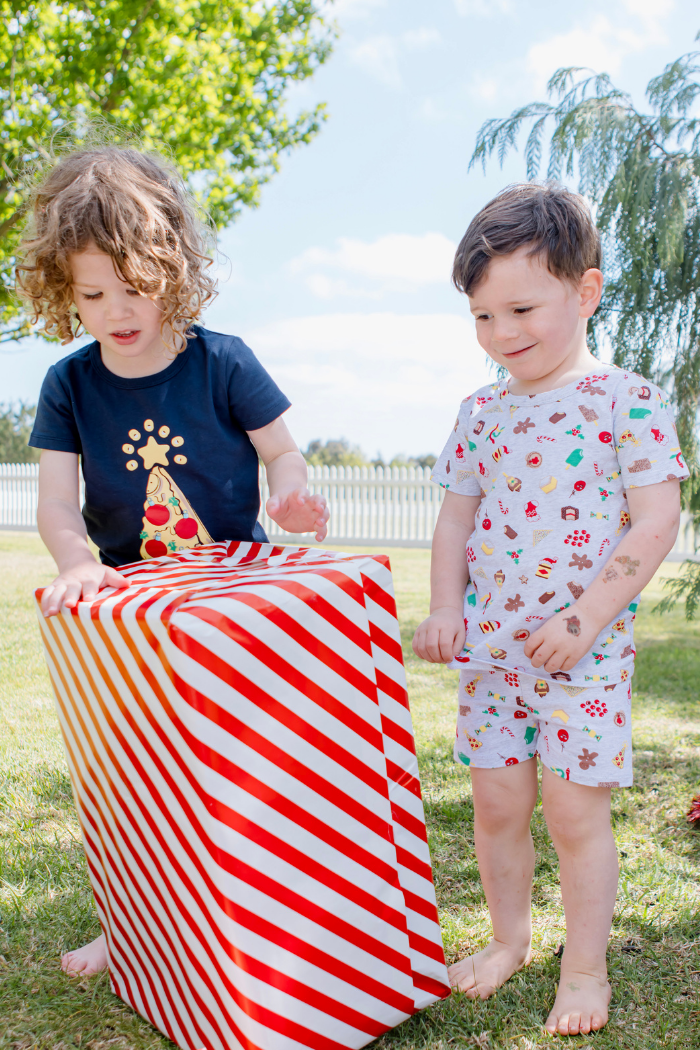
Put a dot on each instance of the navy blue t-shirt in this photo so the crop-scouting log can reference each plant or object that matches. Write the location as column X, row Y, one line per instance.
column 166, row 459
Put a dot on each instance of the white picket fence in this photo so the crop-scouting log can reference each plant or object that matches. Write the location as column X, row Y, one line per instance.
column 380, row 507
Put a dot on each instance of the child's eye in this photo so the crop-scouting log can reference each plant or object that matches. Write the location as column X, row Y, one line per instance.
column 132, row 291
column 482, row 317
column 523, row 309
column 95, row 295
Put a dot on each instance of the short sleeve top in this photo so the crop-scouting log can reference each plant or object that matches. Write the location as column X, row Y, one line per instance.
column 553, row 470
column 166, row 459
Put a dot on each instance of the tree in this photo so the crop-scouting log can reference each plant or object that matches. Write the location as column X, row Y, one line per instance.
column 204, row 80
column 335, row 453
column 641, row 171
column 401, row 460
column 340, row 453
column 15, row 428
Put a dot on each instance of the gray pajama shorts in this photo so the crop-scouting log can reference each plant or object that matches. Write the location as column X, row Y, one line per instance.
column 581, row 734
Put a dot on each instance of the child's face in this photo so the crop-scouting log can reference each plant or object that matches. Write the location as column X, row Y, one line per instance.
column 123, row 321
column 528, row 320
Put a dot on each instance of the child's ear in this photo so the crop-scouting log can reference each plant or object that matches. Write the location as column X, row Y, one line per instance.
column 590, row 292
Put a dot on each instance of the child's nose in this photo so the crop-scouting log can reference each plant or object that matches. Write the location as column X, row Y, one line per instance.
column 117, row 309
column 504, row 329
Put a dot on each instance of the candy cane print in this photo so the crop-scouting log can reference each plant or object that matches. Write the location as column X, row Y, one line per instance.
column 528, row 618
column 545, row 437
column 598, row 470
column 505, row 729
column 602, row 546
column 504, row 510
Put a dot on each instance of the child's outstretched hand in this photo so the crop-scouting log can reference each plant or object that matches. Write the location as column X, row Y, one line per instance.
column 441, row 637
column 563, row 640
column 300, row 511
column 79, row 583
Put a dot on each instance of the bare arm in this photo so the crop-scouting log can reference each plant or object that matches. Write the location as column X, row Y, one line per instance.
column 568, row 635
column 441, row 637
column 290, row 504
column 62, row 529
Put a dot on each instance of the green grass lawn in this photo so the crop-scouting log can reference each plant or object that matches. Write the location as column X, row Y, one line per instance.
column 654, row 958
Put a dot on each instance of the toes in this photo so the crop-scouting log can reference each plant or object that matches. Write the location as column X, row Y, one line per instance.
column 466, row 987
column 561, row 1025
column 574, row 1026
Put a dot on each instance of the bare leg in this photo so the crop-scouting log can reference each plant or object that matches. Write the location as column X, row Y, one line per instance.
column 504, row 800
column 91, row 958
column 578, row 818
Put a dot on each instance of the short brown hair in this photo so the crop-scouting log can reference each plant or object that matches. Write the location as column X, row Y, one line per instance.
column 135, row 208
column 556, row 223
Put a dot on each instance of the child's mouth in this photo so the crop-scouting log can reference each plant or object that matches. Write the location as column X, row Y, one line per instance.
column 518, row 353
column 126, row 336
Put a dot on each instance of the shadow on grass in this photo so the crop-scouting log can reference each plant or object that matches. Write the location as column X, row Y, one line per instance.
column 639, row 969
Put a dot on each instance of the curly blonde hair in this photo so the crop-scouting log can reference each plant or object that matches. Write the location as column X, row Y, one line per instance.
column 135, row 208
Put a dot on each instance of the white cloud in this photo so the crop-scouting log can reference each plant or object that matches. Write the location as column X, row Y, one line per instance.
column 383, row 380
column 602, row 42
column 417, row 39
column 432, row 110
column 483, row 8
column 353, row 8
column 485, row 88
column 395, row 262
column 379, row 56
column 649, row 10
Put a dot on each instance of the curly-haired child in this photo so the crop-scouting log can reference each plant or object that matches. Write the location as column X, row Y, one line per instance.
column 562, row 501
column 167, row 418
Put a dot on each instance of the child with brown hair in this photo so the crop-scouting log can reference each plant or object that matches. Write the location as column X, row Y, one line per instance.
column 115, row 246
column 562, row 501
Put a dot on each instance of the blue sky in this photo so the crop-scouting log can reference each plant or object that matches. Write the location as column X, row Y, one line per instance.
column 340, row 279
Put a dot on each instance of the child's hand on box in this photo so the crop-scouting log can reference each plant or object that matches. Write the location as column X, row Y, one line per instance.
column 299, row 511
column 441, row 637
column 81, row 582
column 563, row 640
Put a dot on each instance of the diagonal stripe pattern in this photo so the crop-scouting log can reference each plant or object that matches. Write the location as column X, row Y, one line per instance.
column 241, row 751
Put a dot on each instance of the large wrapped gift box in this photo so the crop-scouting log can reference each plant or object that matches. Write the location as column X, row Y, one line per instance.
column 242, row 757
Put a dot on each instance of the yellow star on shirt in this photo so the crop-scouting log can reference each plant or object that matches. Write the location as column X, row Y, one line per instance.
column 153, row 453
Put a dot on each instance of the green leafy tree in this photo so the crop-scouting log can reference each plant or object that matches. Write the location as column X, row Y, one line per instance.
column 335, row 453
column 641, row 170
column 15, row 427
column 205, row 80
column 414, row 461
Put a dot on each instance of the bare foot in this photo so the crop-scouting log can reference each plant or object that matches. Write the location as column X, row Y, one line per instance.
column 91, row 958
column 479, row 975
column 581, row 1005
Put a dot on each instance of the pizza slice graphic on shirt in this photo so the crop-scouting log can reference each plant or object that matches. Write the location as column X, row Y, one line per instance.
column 170, row 524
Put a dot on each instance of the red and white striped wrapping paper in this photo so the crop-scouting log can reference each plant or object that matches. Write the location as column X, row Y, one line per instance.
column 241, row 751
